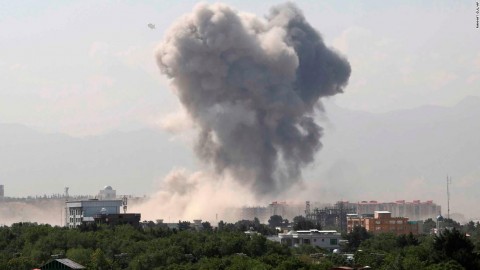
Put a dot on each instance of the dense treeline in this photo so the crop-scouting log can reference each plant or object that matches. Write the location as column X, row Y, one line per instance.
column 28, row 245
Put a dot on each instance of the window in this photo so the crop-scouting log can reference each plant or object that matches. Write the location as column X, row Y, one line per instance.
column 377, row 221
column 392, row 222
column 333, row 241
column 399, row 221
column 314, row 239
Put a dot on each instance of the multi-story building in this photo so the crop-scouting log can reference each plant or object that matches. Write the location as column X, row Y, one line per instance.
column 383, row 222
column 284, row 209
column 324, row 239
column 85, row 210
column 415, row 210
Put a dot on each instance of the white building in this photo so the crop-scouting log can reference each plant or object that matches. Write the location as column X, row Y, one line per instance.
column 325, row 239
column 107, row 193
column 83, row 211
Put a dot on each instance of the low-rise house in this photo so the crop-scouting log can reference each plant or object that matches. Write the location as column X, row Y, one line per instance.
column 325, row 239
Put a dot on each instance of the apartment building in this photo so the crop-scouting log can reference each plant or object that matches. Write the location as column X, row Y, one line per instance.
column 414, row 210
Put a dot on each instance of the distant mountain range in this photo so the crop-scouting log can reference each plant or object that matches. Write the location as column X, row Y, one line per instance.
column 35, row 163
column 402, row 155
column 389, row 156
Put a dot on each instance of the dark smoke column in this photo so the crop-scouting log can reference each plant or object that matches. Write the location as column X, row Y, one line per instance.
column 251, row 86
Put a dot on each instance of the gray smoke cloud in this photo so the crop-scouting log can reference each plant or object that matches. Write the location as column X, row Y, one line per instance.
column 252, row 85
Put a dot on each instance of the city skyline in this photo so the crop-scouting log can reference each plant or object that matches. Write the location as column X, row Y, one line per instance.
column 82, row 102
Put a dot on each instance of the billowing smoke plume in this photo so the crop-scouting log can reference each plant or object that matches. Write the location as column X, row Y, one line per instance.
column 251, row 85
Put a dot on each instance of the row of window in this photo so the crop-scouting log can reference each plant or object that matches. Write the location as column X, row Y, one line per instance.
column 389, row 222
column 392, row 228
column 333, row 241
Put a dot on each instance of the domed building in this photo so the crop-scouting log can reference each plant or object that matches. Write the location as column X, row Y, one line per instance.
column 107, row 193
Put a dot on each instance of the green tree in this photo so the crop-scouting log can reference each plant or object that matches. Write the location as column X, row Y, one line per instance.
column 80, row 255
column 183, row 225
column 301, row 223
column 429, row 225
column 275, row 221
column 207, row 226
column 454, row 245
column 98, row 261
column 416, row 257
column 450, row 223
column 20, row 262
column 383, row 243
column 405, row 240
column 356, row 237
column 450, row 265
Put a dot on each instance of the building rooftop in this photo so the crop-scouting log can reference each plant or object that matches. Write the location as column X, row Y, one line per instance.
column 312, row 231
column 95, row 200
column 66, row 264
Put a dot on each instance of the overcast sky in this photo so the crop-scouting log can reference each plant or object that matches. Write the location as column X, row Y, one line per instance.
column 87, row 67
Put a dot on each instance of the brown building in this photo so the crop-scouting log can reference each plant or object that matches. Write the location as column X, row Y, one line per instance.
column 383, row 222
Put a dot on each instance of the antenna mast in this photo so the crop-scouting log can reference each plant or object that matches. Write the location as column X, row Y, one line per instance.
column 449, row 181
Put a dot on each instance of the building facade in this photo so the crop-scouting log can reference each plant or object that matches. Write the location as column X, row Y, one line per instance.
column 325, row 239
column 331, row 217
column 383, row 222
column 85, row 210
column 132, row 219
column 414, row 210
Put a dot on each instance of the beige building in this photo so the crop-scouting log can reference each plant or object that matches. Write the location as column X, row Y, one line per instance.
column 383, row 222
column 414, row 210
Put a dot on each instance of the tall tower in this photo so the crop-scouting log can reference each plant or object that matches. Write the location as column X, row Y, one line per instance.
column 449, row 181
column 2, row 192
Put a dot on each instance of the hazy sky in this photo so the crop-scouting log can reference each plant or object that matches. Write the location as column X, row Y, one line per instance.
column 87, row 67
